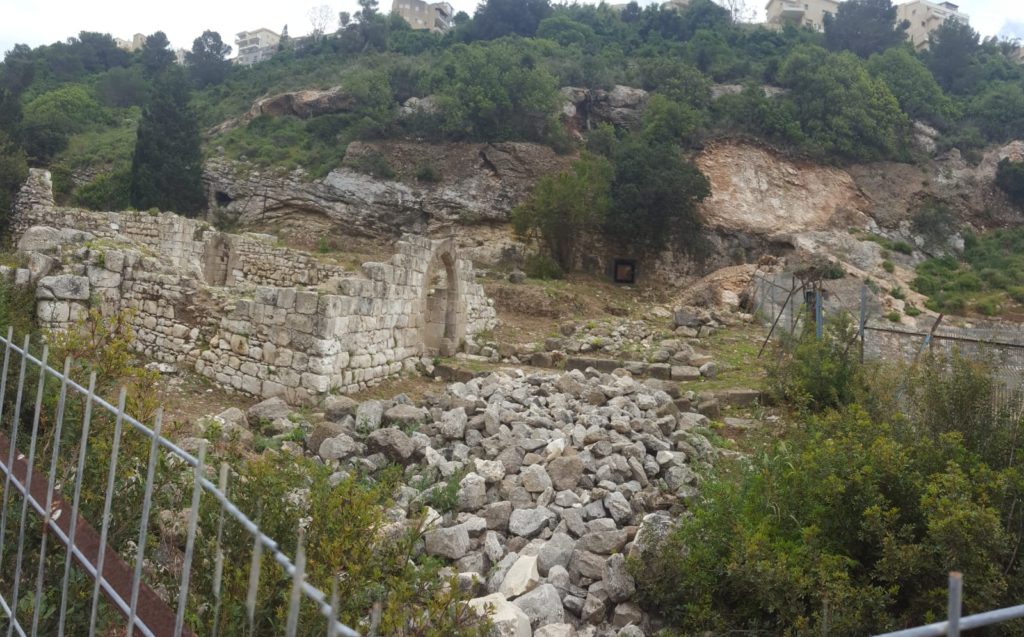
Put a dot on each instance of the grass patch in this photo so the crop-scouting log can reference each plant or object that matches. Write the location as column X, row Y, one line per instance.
column 988, row 280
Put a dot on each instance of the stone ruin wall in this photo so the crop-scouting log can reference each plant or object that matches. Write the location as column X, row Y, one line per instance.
column 240, row 310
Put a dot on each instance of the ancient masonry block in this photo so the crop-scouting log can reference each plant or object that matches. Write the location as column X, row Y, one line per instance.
column 250, row 315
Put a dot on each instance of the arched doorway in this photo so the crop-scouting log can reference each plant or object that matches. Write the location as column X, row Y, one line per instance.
column 441, row 333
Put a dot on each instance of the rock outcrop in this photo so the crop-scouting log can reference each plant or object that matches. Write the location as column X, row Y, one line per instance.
column 476, row 183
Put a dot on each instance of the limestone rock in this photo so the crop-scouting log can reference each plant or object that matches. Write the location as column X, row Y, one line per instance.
column 453, row 424
column 565, row 472
column 521, row 578
column 555, row 630
column 542, row 605
column 392, row 442
column 268, row 410
column 452, row 542
column 535, row 479
column 338, row 447
column 507, row 619
column 404, row 416
column 472, row 493
column 529, row 523
column 369, row 415
column 336, row 408
column 619, row 584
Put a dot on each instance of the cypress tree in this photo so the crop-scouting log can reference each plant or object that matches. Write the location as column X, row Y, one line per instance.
column 167, row 164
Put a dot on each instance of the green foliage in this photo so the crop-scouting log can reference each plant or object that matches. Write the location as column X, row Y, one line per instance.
column 676, row 80
column 13, row 172
column 166, row 167
column 818, row 374
column 987, row 280
column 934, row 221
column 854, row 519
column 843, row 111
column 17, row 304
column 888, row 266
column 207, row 61
column 951, row 52
column 543, row 267
column 121, row 87
column 51, row 118
column 496, row 91
column 109, row 191
column 373, row 163
column 915, row 88
column 894, row 316
column 998, row 112
column 1010, row 179
column 496, row 18
column 654, row 195
column 156, row 55
column 564, row 206
column 426, row 172
column 911, row 311
column 863, row 27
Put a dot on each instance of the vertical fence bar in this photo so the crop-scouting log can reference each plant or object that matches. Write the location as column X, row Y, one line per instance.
column 863, row 318
column 31, row 472
column 75, row 501
column 105, row 524
column 956, row 590
column 147, row 500
column 254, row 582
column 332, row 612
column 48, row 509
column 295, row 600
column 218, row 564
column 14, row 444
column 819, row 322
column 190, row 542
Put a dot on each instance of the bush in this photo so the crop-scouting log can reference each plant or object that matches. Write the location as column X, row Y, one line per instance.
column 108, row 191
column 888, row 266
column 426, row 172
column 854, row 520
column 540, row 266
column 911, row 311
column 894, row 316
column 1010, row 179
column 374, row 164
column 817, row 374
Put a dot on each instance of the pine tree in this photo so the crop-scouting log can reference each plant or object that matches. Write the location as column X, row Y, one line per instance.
column 167, row 164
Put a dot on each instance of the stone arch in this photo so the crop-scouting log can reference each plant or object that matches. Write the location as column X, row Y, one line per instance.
column 444, row 307
column 219, row 260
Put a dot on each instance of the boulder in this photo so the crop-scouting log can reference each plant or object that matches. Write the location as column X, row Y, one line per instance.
column 507, row 619
column 453, row 424
column 618, row 583
column 472, row 493
column 404, row 416
column 63, row 287
column 556, row 552
column 555, row 630
column 529, row 523
column 336, row 408
column 565, row 472
column 39, row 239
column 338, row 447
column 269, row 410
column 542, row 605
column 451, row 542
column 535, row 479
column 369, row 415
column 521, row 578
column 392, row 442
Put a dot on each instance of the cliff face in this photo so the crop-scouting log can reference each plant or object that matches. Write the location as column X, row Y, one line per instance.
column 473, row 183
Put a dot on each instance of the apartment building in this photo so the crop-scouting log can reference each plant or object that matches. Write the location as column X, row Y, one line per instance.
column 805, row 13
column 434, row 16
column 925, row 17
column 256, row 46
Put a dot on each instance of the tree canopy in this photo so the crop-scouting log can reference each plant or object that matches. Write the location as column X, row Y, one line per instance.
column 863, row 27
column 207, row 60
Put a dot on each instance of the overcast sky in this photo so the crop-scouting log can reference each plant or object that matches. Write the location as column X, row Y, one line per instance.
column 36, row 22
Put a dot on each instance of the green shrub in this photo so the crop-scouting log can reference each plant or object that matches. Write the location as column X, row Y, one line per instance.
column 541, row 266
column 911, row 311
column 894, row 316
column 374, row 164
column 851, row 524
column 989, row 305
column 108, row 191
column 888, row 266
column 1010, row 179
column 898, row 293
column 817, row 374
column 903, row 247
column 426, row 172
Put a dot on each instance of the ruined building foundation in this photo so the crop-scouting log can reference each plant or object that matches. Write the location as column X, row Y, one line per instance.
column 240, row 310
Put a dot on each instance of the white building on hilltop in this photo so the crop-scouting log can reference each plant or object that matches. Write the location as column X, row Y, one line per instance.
column 256, row 46
column 434, row 16
column 801, row 13
column 925, row 17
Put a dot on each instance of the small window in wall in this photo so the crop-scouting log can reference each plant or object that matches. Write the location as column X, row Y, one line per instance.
column 624, row 271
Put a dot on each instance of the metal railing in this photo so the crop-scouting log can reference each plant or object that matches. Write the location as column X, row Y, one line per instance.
column 954, row 623
column 56, row 523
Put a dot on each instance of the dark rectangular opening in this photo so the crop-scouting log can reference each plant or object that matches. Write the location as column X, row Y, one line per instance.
column 624, row 271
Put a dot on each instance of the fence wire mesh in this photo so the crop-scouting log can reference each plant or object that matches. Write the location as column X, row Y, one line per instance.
column 78, row 551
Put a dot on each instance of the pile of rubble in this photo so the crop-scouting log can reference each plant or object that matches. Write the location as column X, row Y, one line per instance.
column 560, row 477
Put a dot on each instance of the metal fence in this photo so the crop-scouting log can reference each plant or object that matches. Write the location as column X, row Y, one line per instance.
column 954, row 623
column 787, row 305
column 63, row 569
